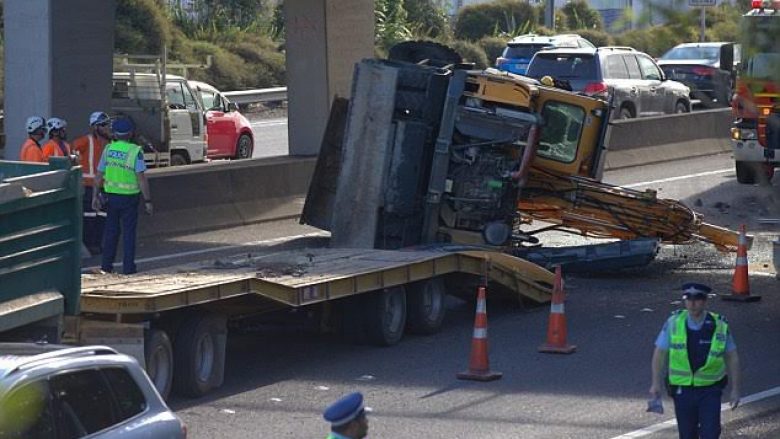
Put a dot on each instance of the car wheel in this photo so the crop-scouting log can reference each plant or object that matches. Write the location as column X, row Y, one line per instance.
column 178, row 159
column 626, row 113
column 746, row 172
column 425, row 306
column 244, row 147
column 158, row 355
column 680, row 107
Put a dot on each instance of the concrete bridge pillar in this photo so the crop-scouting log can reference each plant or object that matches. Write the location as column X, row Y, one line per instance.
column 325, row 38
column 58, row 62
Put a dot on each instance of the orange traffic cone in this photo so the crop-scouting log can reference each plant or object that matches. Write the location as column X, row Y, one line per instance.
column 556, row 331
column 740, row 284
column 479, row 365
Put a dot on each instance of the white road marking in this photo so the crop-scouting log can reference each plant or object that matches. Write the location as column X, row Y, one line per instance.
column 647, row 431
column 216, row 249
column 681, row 177
column 270, row 123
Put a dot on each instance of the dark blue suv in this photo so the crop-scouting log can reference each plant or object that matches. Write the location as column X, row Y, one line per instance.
column 519, row 51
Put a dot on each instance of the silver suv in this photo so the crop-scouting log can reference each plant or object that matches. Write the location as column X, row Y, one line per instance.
column 638, row 86
column 57, row 392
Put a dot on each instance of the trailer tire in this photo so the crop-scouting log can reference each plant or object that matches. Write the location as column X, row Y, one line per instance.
column 158, row 356
column 199, row 355
column 385, row 316
column 425, row 306
column 746, row 172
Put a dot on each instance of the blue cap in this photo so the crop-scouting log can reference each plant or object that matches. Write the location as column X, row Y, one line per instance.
column 122, row 126
column 693, row 290
column 344, row 410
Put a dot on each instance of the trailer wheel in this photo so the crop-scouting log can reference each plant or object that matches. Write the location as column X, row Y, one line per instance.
column 425, row 306
column 385, row 316
column 158, row 355
column 746, row 172
column 199, row 355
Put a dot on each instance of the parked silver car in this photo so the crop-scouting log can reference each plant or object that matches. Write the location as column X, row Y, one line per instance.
column 57, row 392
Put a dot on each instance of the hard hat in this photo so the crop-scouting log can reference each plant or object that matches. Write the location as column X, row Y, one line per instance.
column 35, row 123
column 55, row 123
column 547, row 80
column 98, row 118
column 122, row 126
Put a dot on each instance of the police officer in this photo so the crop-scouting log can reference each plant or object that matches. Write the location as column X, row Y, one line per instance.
column 121, row 174
column 347, row 418
column 699, row 352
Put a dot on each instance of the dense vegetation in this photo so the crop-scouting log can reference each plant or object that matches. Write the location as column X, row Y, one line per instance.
column 245, row 38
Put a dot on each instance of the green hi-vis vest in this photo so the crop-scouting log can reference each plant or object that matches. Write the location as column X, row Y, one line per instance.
column 714, row 369
column 120, row 177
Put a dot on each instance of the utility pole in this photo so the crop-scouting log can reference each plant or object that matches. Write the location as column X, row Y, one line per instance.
column 549, row 14
column 702, row 23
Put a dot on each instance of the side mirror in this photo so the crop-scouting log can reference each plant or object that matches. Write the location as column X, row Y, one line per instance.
column 727, row 57
column 232, row 106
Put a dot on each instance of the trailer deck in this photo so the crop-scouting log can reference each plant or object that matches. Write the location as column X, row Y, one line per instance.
column 302, row 277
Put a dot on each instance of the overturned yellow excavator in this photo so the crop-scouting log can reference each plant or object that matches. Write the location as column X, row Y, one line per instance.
column 444, row 156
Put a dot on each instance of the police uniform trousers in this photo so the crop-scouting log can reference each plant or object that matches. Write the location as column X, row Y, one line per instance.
column 122, row 210
column 698, row 411
column 94, row 223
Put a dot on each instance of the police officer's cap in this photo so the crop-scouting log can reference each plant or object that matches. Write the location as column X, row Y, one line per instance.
column 122, row 126
column 693, row 290
column 345, row 410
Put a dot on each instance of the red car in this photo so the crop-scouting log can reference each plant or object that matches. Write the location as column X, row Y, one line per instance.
column 230, row 133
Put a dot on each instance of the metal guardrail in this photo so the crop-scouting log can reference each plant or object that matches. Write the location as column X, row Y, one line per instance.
column 253, row 96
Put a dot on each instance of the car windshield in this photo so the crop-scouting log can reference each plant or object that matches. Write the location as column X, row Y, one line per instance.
column 708, row 53
column 526, row 51
column 764, row 66
column 563, row 66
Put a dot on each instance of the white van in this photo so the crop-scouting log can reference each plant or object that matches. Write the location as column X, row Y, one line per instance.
column 172, row 128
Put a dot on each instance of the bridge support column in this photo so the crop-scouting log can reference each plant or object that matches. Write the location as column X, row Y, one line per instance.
column 58, row 62
column 324, row 40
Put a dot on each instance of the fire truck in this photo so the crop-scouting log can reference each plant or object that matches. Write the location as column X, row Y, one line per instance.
column 756, row 104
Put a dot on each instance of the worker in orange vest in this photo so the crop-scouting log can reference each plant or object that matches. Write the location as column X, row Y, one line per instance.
column 31, row 148
column 89, row 149
column 56, row 146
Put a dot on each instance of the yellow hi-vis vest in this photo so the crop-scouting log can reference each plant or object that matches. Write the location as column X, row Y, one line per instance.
column 714, row 369
column 120, row 177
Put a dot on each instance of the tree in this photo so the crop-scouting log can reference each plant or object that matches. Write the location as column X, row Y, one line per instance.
column 391, row 23
column 500, row 17
column 427, row 18
column 579, row 15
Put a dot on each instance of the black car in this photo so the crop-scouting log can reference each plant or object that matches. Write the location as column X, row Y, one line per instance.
column 707, row 68
column 639, row 87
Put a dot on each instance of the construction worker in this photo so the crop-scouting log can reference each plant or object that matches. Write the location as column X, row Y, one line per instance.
column 57, row 145
column 347, row 418
column 89, row 149
column 699, row 352
column 31, row 148
column 121, row 175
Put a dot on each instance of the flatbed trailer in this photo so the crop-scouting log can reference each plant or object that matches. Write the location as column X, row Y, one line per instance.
column 174, row 319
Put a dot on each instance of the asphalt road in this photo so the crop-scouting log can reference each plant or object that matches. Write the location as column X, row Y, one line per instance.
column 280, row 379
column 270, row 138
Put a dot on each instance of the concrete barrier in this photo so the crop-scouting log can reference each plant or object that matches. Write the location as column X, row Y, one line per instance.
column 226, row 194
column 233, row 193
column 658, row 139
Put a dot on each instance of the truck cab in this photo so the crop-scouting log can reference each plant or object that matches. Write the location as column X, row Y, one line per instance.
column 170, row 126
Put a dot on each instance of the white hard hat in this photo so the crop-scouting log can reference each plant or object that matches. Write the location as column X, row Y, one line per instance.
column 98, row 118
column 34, row 123
column 55, row 123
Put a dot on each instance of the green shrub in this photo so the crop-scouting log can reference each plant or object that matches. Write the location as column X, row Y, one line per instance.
column 597, row 37
column 579, row 15
column 471, row 52
column 493, row 47
column 510, row 17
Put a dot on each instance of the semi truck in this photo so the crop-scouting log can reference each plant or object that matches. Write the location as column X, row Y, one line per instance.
column 427, row 181
column 755, row 135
